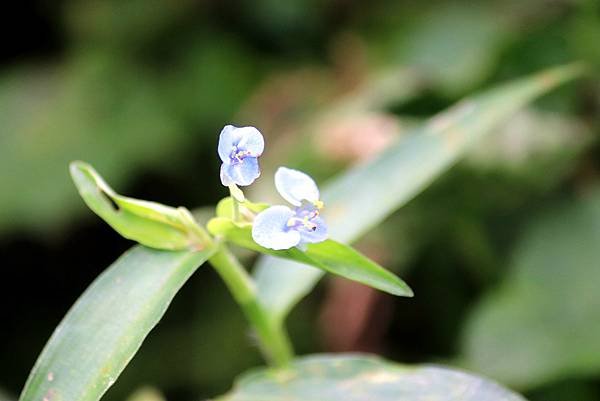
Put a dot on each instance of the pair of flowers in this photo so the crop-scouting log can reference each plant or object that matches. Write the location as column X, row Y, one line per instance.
column 278, row 227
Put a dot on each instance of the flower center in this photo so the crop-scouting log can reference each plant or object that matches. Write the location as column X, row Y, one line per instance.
column 303, row 217
column 302, row 223
column 238, row 155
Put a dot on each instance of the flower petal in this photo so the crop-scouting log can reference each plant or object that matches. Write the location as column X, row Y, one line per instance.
column 251, row 140
column 228, row 138
column 247, row 171
column 270, row 229
column 318, row 235
column 295, row 186
column 226, row 179
column 243, row 173
column 244, row 138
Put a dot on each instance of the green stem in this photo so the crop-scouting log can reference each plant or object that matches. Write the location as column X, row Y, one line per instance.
column 273, row 340
column 236, row 210
column 238, row 196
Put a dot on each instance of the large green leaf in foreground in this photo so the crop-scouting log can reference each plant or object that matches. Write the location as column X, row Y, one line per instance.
column 364, row 378
column 543, row 322
column 108, row 323
column 366, row 195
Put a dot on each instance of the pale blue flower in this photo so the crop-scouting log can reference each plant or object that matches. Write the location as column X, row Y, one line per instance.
column 239, row 149
column 280, row 227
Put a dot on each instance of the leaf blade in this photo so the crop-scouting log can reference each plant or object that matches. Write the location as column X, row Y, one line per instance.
column 149, row 223
column 108, row 323
column 414, row 162
column 329, row 255
column 355, row 377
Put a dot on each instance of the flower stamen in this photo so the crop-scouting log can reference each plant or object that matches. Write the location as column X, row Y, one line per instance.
column 238, row 155
column 304, row 222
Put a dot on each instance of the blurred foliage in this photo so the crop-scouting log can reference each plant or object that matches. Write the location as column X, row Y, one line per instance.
column 541, row 322
column 413, row 161
column 4, row 396
column 146, row 394
column 109, row 105
column 454, row 59
column 141, row 87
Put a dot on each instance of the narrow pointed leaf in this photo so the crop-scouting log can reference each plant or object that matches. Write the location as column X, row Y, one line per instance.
column 364, row 196
column 329, row 256
column 107, row 324
column 361, row 378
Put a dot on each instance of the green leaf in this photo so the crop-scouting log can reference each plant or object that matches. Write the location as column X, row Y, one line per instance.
column 365, row 195
column 361, row 378
column 149, row 223
column 329, row 256
column 542, row 323
column 107, row 324
column 473, row 44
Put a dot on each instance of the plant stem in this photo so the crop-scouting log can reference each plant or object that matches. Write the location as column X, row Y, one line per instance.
column 236, row 210
column 238, row 196
column 273, row 340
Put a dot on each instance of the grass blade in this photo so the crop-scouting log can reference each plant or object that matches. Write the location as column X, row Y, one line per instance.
column 364, row 196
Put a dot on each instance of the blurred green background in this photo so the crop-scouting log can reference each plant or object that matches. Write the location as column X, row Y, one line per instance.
column 503, row 251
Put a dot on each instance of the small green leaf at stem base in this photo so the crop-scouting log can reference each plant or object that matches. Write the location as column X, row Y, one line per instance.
column 149, row 223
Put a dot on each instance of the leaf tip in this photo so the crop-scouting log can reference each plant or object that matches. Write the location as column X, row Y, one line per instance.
column 78, row 165
column 403, row 290
column 79, row 169
column 398, row 287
